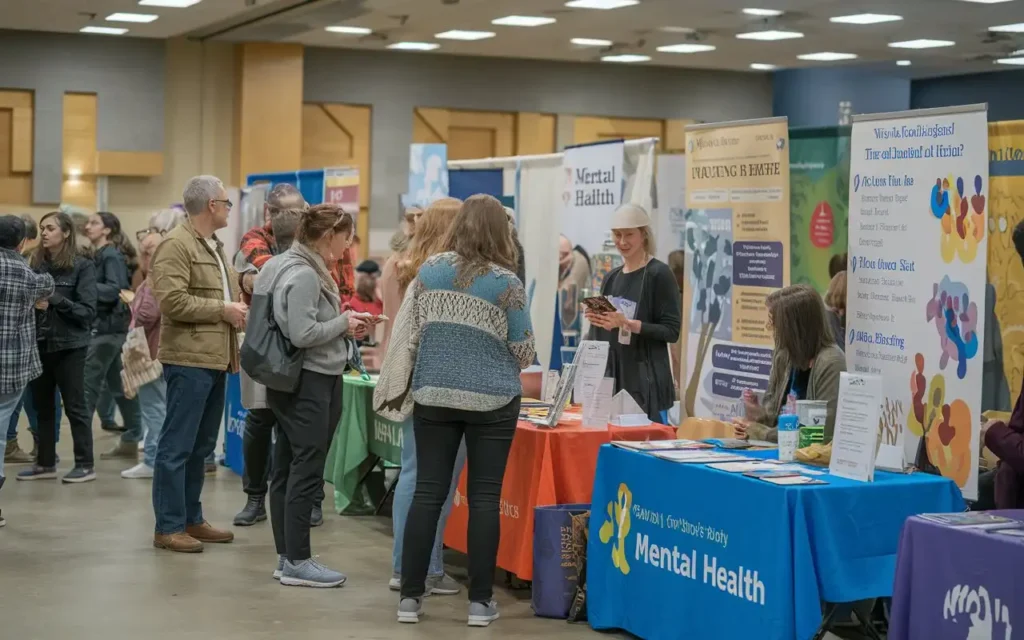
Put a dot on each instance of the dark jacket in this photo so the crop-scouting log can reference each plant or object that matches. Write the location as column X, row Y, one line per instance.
column 1007, row 442
column 112, row 315
column 67, row 322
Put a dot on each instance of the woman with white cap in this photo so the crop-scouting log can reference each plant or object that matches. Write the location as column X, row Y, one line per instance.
column 647, row 317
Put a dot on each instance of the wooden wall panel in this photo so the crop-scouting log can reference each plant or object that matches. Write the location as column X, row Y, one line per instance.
column 269, row 108
column 429, row 126
column 129, row 163
column 79, row 158
column 594, row 129
column 535, row 133
column 16, row 113
column 15, row 187
column 468, row 134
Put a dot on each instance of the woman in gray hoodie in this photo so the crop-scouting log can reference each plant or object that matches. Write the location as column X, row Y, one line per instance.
column 307, row 311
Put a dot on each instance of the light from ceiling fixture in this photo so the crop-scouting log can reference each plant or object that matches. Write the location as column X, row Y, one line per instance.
column 74, row 173
column 591, row 42
column 132, row 17
column 458, row 34
column 671, row 29
column 769, row 35
column 600, row 4
column 866, row 18
column 414, row 46
column 987, row 1
column 763, row 13
column 922, row 43
column 175, row 4
column 827, row 56
column 353, row 31
column 107, row 31
column 1009, row 28
column 688, row 47
column 760, row 66
column 903, row 63
column 1015, row 61
column 626, row 57
column 523, row 21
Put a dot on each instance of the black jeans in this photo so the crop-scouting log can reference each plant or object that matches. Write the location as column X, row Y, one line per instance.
column 259, row 455
column 438, row 433
column 306, row 421
column 64, row 370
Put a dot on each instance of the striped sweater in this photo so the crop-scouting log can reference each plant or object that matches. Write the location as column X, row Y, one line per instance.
column 473, row 333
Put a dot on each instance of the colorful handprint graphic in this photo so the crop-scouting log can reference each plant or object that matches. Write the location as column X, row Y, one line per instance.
column 945, row 429
column 962, row 217
column 956, row 319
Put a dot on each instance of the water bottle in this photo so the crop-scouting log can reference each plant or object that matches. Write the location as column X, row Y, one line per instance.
column 789, row 435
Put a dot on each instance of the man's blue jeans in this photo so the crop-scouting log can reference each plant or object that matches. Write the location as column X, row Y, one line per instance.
column 404, row 491
column 195, row 408
column 8, row 403
column 153, row 402
column 30, row 413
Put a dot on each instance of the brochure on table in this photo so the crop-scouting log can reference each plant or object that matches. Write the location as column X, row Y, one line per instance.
column 917, row 276
column 856, row 431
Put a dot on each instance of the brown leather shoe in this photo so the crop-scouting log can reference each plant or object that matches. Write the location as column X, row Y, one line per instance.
column 206, row 533
column 180, row 542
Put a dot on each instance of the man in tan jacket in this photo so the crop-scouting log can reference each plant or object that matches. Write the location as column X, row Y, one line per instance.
column 199, row 328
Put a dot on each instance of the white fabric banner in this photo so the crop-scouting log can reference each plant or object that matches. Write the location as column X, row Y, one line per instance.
column 592, row 191
column 916, row 279
column 670, row 217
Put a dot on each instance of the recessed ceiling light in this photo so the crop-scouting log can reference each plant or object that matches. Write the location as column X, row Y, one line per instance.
column 354, row 31
column 458, row 34
column 1016, row 61
column 866, row 18
column 676, row 29
column 686, row 48
column 769, row 35
column 626, row 57
column 591, row 42
column 903, row 63
column 827, row 56
column 600, row 4
column 760, row 66
column 107, row 31
column 922, row 43
column 1009, row 28
column 132, row 17
column 414, row 46
column 987, row 1
column 523, row 21
column 764, row 13
column 176, row 4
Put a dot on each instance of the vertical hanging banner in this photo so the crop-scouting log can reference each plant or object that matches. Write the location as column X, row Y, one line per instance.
column 341, row 187
column 670, row 218
column 737, row 250
column 592, row 192
column 916, row 287
column 428, row 173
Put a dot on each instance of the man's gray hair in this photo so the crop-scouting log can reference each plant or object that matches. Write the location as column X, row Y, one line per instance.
column 166, row 219
column 198, row 193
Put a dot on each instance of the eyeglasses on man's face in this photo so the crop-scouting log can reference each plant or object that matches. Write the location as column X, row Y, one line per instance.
column 140, row 235
column 226, row 203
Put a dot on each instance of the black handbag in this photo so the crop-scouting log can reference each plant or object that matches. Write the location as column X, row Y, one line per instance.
column 266, row 354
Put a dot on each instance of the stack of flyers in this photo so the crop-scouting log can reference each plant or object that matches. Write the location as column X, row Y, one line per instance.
column 692, row 456
column 746, row 466
column 662, row 445
column 1013, row 532
column 785, row 478
column 968, row 519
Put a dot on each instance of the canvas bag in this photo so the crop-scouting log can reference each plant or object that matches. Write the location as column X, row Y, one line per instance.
column 137, row 367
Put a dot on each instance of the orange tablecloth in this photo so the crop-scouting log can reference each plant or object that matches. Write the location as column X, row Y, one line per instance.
column 545, row 467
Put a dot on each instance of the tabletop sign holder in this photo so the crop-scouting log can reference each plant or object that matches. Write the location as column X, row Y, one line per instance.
column 855, row 441
column 561, row 394
column 597, row 410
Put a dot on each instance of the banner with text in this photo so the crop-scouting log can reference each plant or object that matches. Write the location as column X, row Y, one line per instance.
column 737, row 252
column 592, row 192
column 918, row 247
column 819, row 175
column 670, row 216
column 341, row 187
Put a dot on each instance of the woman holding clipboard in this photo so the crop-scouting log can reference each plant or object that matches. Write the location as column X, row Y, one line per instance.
column 643, row 318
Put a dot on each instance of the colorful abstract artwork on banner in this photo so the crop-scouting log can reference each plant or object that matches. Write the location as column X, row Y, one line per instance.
column 428, row 173
column 819, row 176
column 737, row 249
column 916, row 287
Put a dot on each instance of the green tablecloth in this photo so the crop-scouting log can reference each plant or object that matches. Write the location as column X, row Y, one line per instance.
column 361, row 438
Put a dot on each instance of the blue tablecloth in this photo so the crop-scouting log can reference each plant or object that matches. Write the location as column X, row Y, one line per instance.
column 684, row 551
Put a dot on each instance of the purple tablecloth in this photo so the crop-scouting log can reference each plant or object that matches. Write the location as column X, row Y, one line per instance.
column 956, row 582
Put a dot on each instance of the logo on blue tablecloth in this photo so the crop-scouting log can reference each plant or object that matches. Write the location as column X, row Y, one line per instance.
column 617, row 527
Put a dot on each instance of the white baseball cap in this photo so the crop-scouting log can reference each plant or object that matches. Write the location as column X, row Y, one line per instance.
column 630, row 216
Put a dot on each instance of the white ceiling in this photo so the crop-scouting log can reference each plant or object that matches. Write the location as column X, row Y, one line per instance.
column 636, row 29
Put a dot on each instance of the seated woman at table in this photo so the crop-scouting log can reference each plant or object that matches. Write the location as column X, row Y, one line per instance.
column 806, row 365
column 1006, row 441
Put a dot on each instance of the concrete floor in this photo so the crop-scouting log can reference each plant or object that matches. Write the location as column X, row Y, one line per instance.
column 76, row 561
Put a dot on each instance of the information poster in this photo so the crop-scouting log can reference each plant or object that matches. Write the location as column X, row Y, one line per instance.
column 428, row 174
column 916, row 288
column 819, row 176
column 737, row 236
column 670, row 223
column 593, row 188
column 341, row 187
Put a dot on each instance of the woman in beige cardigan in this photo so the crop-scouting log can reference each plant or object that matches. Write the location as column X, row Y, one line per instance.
column 806, row 364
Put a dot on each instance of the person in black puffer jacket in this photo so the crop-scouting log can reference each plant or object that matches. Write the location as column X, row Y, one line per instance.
column 64, row 328
column 115, row 260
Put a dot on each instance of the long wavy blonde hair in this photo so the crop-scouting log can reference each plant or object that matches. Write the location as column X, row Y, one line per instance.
column 428, row 239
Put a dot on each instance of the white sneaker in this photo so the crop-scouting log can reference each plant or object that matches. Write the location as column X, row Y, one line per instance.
column 140, row 471
column 142, row 445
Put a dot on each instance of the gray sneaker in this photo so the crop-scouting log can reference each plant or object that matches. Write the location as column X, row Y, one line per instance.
column 409, row 610
column 79, row 475
column 280, row 568
column 395, row 583
column 481, row 614
column 442, row 585
column 310, row 573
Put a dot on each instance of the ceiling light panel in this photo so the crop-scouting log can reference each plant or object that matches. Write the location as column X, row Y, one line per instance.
column 688, row 47
column 352, row 31
column 763, row 13
column 827, row 56
column 174, row 4
column 903, row 63
column 591, row 42
column 458, row 34
column 1013, row 61
column 922, row 43
column 414, row 46
column 523, row 21
column 987, row 1
column 1008, row 28
column 866, row 18
column 132, row 17
column 107, row 31
column 626, row 57
column 760, row 66
column 770, row 35
column 601, row 4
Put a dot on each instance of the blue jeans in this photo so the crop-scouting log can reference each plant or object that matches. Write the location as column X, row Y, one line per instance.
column 404, row 491
column 30, row 413
column 195, row 408
column 153, row 402
column 105, row 407
column 8, row 404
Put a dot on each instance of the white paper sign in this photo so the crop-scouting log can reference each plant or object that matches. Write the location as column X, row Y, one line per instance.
column 856, row 433
column 591, row 361
column 597, row 409
column 592, row 192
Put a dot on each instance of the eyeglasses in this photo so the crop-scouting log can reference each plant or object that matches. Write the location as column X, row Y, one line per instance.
column 226, row 203
column 140, row 235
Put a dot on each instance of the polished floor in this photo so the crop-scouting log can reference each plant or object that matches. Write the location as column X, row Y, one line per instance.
column 76, row 561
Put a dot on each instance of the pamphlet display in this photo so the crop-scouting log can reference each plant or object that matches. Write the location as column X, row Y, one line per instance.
column 854, row 442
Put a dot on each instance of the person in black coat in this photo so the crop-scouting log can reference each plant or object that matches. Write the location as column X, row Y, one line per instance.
column 64, row 329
